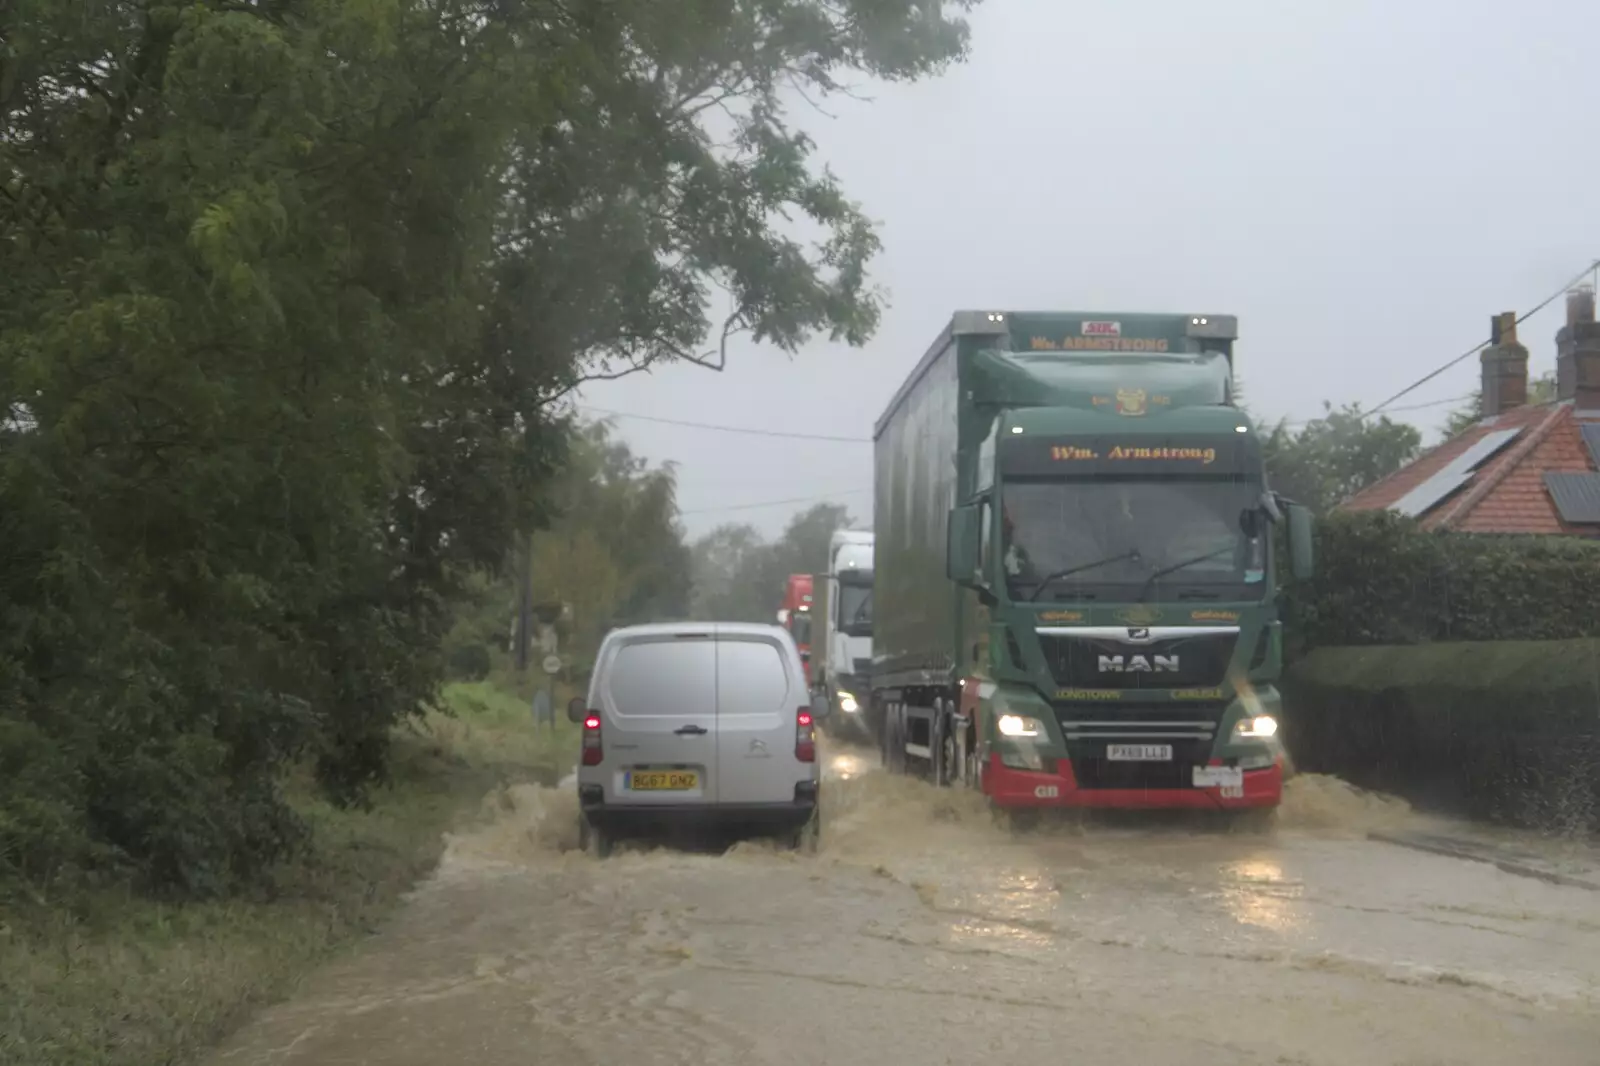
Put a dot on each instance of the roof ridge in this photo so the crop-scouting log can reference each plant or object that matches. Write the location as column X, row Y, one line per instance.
column 1513, row 459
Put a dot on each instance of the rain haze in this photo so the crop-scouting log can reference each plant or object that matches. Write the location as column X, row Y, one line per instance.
column 1363, row 184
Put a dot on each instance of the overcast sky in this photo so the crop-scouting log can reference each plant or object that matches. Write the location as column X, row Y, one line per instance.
column 1364, row 184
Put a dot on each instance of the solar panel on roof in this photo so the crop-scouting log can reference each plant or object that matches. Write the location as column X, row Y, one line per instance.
column 1456, row 473
column 1591, row 437
column 1483, row 448
column 1576, row 496
column 1428, row 494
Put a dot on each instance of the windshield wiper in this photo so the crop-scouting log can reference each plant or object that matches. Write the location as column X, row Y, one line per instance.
column 1048, row 579
column 1165, row 570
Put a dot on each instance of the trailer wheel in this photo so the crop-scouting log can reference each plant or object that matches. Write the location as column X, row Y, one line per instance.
column 895, row 731
column 947, row 754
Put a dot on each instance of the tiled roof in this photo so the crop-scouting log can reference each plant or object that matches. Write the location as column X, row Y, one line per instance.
column 1507, row 492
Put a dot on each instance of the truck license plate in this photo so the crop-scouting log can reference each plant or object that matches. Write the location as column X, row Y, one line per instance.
column 1139, row 752
column 1226, row 778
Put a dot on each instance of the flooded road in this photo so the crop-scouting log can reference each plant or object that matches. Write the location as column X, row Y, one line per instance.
column 924, row 933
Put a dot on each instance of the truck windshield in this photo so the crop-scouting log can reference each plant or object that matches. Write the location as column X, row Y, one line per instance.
column 1100, row 539
column 855, row 610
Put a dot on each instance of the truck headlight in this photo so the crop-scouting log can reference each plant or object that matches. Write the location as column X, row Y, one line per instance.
column 1019, row 726
column 1259, row 727
column 848, row 704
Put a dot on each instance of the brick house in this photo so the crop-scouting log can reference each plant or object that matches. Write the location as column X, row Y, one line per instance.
column 1521, row 468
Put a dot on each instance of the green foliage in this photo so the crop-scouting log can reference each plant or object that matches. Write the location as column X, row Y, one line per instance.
column 613, row 551
column 1541, row 390
column 1506, row 730
column 1382, row 580
column 1333, row 457
column 289, row 291
column 738, row 577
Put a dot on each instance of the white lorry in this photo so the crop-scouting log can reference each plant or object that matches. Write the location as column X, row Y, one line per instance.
column 841, row 650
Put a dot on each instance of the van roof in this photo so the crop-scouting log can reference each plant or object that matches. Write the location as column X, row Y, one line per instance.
column 728, row 629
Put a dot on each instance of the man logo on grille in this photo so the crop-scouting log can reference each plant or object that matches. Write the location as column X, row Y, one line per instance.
column 1138, row 664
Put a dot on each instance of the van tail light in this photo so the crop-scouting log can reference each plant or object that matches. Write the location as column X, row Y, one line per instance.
column 592, row 752
column 805, row 736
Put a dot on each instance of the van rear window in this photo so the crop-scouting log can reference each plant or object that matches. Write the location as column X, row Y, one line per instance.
column 664, row 677
column 751, row 677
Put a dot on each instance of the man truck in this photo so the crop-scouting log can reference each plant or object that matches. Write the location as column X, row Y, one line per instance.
column 1075, row 573
column 795, row 616
column 844, row 645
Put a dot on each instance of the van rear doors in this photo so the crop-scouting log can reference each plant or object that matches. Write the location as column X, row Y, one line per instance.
column 659, row 719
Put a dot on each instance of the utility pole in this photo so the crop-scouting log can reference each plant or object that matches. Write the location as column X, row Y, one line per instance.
column 524, row 603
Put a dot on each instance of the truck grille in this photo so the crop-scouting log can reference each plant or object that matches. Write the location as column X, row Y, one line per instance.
column 862, row 667
column 1089, row 728
column 1100, row 661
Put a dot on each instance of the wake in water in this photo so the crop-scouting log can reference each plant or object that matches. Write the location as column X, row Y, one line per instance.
column 869, row 817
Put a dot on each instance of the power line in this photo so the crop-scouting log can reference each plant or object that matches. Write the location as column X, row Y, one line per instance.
column 777, row 503
column 727, row 429
column 1546, row 302
column 1302, row 423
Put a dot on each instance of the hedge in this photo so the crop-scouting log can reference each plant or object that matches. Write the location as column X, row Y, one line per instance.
column 1381, row 580
column 1507, row 730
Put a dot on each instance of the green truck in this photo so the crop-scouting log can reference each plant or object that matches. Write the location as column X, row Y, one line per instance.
column 1075, row 572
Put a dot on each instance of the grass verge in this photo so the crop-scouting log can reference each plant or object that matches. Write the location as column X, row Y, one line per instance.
column 118, row 980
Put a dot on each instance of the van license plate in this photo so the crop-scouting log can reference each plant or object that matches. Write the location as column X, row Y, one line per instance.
column 1139, row 752
column 661, row 781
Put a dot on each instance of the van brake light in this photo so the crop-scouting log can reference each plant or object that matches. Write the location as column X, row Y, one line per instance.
column 805, row 736
column 592, row 751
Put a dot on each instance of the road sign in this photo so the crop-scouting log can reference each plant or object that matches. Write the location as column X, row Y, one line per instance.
column 552, row 664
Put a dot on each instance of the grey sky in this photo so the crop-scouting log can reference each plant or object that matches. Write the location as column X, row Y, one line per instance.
column 1362, row 183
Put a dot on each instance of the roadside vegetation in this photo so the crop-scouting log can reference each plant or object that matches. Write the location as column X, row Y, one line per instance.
column 296, row 296
column 113, row 977
column 1457, row 670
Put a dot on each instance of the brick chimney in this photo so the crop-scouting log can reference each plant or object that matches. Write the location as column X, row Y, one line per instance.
column 1578, row 352
column 1505, row 367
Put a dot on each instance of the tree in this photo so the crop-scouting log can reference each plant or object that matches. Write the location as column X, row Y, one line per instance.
column 1333, row 457
column 1541, row 390
column 289, row 291
column 739, row 578
column 613, row 550
column 723, row 562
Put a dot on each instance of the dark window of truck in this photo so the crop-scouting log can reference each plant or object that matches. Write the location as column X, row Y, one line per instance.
column 855, row 610
column 1121, row 531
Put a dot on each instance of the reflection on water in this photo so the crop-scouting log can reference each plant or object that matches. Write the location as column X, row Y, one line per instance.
column 1013, row 907
column 923, row 932
column 845, row 764
column 1257, row 893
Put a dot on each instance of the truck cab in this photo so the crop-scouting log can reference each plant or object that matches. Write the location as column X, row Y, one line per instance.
column 1106, row 633
column 796, row 616
column 845, row 640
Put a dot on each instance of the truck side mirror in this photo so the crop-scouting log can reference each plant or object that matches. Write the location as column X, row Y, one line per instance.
column 820, row 707
column 577, row 709
column 961, row 558
column 1302, row 562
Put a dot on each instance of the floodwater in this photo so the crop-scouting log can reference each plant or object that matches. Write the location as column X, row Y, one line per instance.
column 924, row 933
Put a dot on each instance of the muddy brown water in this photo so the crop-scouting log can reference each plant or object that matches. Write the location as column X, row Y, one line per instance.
column 924, row 933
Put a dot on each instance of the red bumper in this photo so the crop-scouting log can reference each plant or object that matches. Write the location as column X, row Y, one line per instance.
column 1006, row 787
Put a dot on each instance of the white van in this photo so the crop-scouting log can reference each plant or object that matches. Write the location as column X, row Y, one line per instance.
column 697, row 724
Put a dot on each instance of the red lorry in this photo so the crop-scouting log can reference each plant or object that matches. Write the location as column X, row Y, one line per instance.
column 795, row 616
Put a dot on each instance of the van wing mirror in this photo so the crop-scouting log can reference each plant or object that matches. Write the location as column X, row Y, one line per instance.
column 962, row 534
column 1302, row 560
column 577, row 709
column 820, row 707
